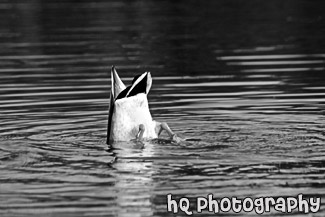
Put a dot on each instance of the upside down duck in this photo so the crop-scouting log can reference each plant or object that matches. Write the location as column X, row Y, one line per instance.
column 129, row 115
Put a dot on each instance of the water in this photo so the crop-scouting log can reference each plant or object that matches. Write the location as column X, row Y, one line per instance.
column 242, row 81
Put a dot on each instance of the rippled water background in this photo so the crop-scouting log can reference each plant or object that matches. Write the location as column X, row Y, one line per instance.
column 242, row 81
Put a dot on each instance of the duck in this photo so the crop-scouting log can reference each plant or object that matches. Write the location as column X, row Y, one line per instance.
column 129, row 116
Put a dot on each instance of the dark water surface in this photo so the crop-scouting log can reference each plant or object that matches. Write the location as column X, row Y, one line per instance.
column 242, row 81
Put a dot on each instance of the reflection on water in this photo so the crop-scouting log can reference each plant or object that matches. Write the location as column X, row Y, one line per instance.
column 241, row 80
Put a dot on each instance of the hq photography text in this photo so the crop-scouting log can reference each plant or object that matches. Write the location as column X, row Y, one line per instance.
column 258, row 205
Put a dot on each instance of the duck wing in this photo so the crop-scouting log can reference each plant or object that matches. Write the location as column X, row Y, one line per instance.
column 117, row 86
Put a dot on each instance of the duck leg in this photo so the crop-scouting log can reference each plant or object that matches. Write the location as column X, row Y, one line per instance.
column 139, row 136
column 164, row 126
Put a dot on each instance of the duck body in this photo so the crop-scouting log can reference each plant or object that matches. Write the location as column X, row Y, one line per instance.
column 128, row 114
